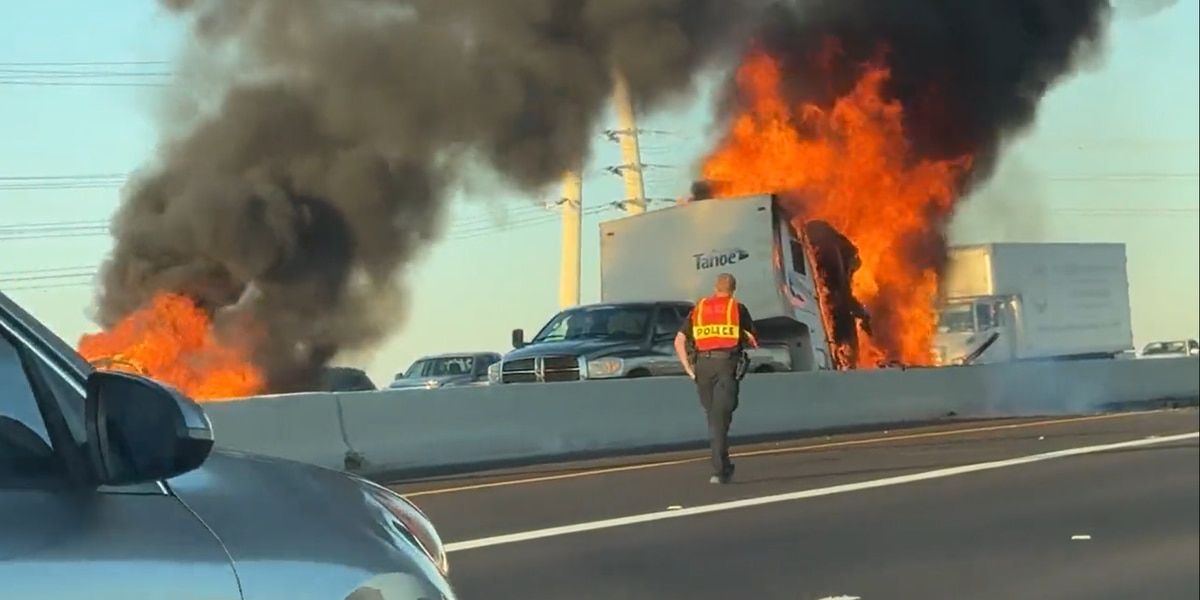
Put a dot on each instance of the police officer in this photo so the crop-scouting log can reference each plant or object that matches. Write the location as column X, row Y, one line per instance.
column 718, row 329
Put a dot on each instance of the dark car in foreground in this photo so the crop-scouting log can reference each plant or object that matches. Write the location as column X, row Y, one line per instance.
column 110, row 489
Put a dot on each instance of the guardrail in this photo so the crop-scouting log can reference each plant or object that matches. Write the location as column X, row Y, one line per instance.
column 404, row 431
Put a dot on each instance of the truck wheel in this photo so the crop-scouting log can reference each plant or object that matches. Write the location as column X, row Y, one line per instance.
column 638, row 373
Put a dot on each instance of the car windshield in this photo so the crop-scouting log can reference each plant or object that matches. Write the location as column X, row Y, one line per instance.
column 414, row 370
column 1165, row 348
column 956, row 318
column 441, row 366
column 627, row 322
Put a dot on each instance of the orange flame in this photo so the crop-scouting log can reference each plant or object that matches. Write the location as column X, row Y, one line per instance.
column 852, row 168
column 172, row 340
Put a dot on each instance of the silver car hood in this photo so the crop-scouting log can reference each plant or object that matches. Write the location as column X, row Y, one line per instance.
column 315, row 532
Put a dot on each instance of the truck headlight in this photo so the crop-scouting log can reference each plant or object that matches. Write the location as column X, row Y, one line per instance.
column 494, row 373
column 601, row 368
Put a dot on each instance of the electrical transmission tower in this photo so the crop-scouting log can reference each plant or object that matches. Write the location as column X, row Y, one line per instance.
column 571, row 203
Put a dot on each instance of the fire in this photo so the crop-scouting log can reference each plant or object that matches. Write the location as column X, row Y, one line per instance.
column 172, row 340
column 851, row 167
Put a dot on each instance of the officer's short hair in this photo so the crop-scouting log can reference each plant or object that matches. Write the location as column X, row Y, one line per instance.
column 726, row 283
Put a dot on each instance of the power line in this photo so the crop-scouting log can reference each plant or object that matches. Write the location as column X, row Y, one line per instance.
column 36, row 178
column 97, row 228
column 115, row 180
column 62, row 277
column 84, row 74
column 10, row 72
column 466, row 229
column 26, row 82
column 90, row 63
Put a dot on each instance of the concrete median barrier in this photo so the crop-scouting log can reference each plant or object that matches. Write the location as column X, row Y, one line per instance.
column 303, row 427
column 399, row 432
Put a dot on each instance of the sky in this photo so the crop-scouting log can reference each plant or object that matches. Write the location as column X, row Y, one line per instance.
column 1113, row 157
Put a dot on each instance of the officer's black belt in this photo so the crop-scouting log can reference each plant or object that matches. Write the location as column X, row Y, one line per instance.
column 729, row 353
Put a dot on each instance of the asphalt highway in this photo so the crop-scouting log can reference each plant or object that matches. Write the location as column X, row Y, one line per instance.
column 939, row 513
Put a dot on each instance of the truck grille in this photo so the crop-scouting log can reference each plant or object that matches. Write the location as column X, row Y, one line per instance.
column 540, row 369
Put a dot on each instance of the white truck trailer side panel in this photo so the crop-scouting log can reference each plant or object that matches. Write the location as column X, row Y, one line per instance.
column 969, row 272
column 1074, row 297
column 676, row 253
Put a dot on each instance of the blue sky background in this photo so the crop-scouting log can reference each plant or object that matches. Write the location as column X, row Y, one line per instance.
column 1114, row 157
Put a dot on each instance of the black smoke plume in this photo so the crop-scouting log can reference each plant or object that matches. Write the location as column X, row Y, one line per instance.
column 322, row 139
column 969, row 73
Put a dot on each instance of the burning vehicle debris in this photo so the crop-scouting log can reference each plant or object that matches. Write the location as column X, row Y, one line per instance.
column 324, row 168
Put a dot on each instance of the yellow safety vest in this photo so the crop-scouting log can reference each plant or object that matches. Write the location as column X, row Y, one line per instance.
column 716, row 327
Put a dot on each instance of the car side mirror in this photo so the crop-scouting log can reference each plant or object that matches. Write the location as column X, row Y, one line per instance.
column 518, row 339
column 140, row 430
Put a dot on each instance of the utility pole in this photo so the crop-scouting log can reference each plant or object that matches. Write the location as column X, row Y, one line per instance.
column 571, row 205
column 631, row 154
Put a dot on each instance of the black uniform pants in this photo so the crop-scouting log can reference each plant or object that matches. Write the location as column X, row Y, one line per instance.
column 718, row 386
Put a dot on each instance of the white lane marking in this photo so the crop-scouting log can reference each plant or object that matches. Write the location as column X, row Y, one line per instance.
column 536, row 534
column 841, row 598
column 1081, row 537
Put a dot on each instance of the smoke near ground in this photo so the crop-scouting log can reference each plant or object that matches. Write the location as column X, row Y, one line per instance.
column 321, row 140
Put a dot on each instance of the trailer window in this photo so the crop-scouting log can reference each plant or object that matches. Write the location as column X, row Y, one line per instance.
column 799, row 264
column 799, row 256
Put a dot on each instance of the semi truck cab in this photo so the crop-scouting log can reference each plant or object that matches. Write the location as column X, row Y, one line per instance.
column 1007, row 302
column 976, row 330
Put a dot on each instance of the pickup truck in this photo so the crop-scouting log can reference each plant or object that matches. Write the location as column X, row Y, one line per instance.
column 609, row 341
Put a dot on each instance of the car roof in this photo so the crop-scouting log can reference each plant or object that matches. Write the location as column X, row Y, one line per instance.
column 456, row 355
column 635, row 304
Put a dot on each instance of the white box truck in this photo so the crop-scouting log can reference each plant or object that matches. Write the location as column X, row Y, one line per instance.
column 676, row 253
column 1034, row 301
